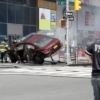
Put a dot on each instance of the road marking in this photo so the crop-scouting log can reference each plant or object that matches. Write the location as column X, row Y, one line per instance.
column 49, row 72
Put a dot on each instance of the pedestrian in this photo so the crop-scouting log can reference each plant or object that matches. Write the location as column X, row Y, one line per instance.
column 26, row 53
column 14, row 41
column 16, row 51
column 3, row 49
column 93, row 55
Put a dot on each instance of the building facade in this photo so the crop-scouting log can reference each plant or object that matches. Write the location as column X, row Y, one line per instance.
column 21, row 17
column 17, row 17
column 84, row 30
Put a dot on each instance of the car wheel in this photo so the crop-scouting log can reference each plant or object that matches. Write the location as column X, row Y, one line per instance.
column 13, row 59
column 38, row 60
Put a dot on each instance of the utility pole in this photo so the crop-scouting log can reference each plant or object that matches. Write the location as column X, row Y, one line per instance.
column 64, row 23
column 67, row 34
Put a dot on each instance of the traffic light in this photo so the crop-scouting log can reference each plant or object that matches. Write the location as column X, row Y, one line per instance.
column 62, row 23
column 77, row 5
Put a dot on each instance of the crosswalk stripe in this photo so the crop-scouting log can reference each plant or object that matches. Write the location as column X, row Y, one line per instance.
column 51, row 72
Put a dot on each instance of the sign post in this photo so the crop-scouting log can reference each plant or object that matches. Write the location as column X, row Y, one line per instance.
column 67, row 55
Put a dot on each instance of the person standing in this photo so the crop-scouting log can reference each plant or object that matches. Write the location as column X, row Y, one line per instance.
column 14, row 41
column 92, row 53
column 3, row 49
column 26, row 51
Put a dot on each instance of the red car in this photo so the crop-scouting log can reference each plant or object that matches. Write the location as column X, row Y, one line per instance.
column 40, row 47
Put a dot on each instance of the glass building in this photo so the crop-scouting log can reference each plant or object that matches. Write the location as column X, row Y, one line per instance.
column 17, row 17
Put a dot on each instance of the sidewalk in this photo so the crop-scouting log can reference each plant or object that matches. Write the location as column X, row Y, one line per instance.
column 7, row 65
column 82, row 61
column 29, row 65
column 12, row 65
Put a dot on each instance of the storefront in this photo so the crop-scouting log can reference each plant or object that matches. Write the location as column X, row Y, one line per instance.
column 83, row 31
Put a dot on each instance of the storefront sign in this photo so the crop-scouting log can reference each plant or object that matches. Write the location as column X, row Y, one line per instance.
column 46, row 4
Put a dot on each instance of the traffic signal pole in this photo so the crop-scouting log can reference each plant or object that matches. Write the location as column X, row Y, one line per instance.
column 67, row 55
column 64, row 23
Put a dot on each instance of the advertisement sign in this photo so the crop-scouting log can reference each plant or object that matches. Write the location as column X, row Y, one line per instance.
column 46, row 4
column 44, row 19
column 53, row 19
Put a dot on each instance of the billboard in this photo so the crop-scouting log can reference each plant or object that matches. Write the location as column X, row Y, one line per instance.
column 44, row 19
column 53, row 19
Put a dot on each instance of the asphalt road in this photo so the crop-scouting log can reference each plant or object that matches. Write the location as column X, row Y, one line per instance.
column 27, row 87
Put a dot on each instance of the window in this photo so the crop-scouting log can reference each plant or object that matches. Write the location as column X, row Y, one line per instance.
column 26, row 37
column 26, row 15
column 9, row 37
column 3, row 31
column 20, row 47
column 33, row 16
column 19, row 14
column 26, row 3
column 33, row 3
column 32, row 29
column 11, row 13
column 25, row 30
column 19, row 2
column 3, row 0
column 3, row 12
column 44, row 40
column 29, row 46
column 11, row 1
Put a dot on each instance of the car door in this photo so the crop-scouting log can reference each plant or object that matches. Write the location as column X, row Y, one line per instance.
column 20, row 49
column 29, row 49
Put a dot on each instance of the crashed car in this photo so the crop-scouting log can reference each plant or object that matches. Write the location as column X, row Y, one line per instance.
column 40, row 47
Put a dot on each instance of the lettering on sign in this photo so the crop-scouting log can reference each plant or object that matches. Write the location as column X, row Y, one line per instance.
column 46, row 4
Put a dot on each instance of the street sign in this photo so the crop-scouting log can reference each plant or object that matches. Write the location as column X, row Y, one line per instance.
column 63, row 2
column 71, row 18
column 69, row 14
column 71, row 0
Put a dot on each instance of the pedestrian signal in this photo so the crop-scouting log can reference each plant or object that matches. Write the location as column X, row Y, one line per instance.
column 62, row 23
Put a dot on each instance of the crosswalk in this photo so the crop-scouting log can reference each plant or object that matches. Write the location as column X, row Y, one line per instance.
column 76, row 72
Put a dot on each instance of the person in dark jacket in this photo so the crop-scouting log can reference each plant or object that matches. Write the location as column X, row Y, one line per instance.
column 93, row 55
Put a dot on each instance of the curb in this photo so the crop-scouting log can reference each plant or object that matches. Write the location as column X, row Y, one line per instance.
column 52, row 65
column 9, row 66
column 86, row 64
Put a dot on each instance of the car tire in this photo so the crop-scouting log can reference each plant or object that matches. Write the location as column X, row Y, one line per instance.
column 13, row 59
column 38, row 60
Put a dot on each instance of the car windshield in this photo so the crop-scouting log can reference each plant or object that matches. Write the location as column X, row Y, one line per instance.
column 26, row 37
column 43, row 41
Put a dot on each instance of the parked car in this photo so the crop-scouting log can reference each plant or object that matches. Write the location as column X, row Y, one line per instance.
column 40, row 47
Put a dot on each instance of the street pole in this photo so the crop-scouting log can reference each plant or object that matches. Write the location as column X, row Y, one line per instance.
column 67, row 34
